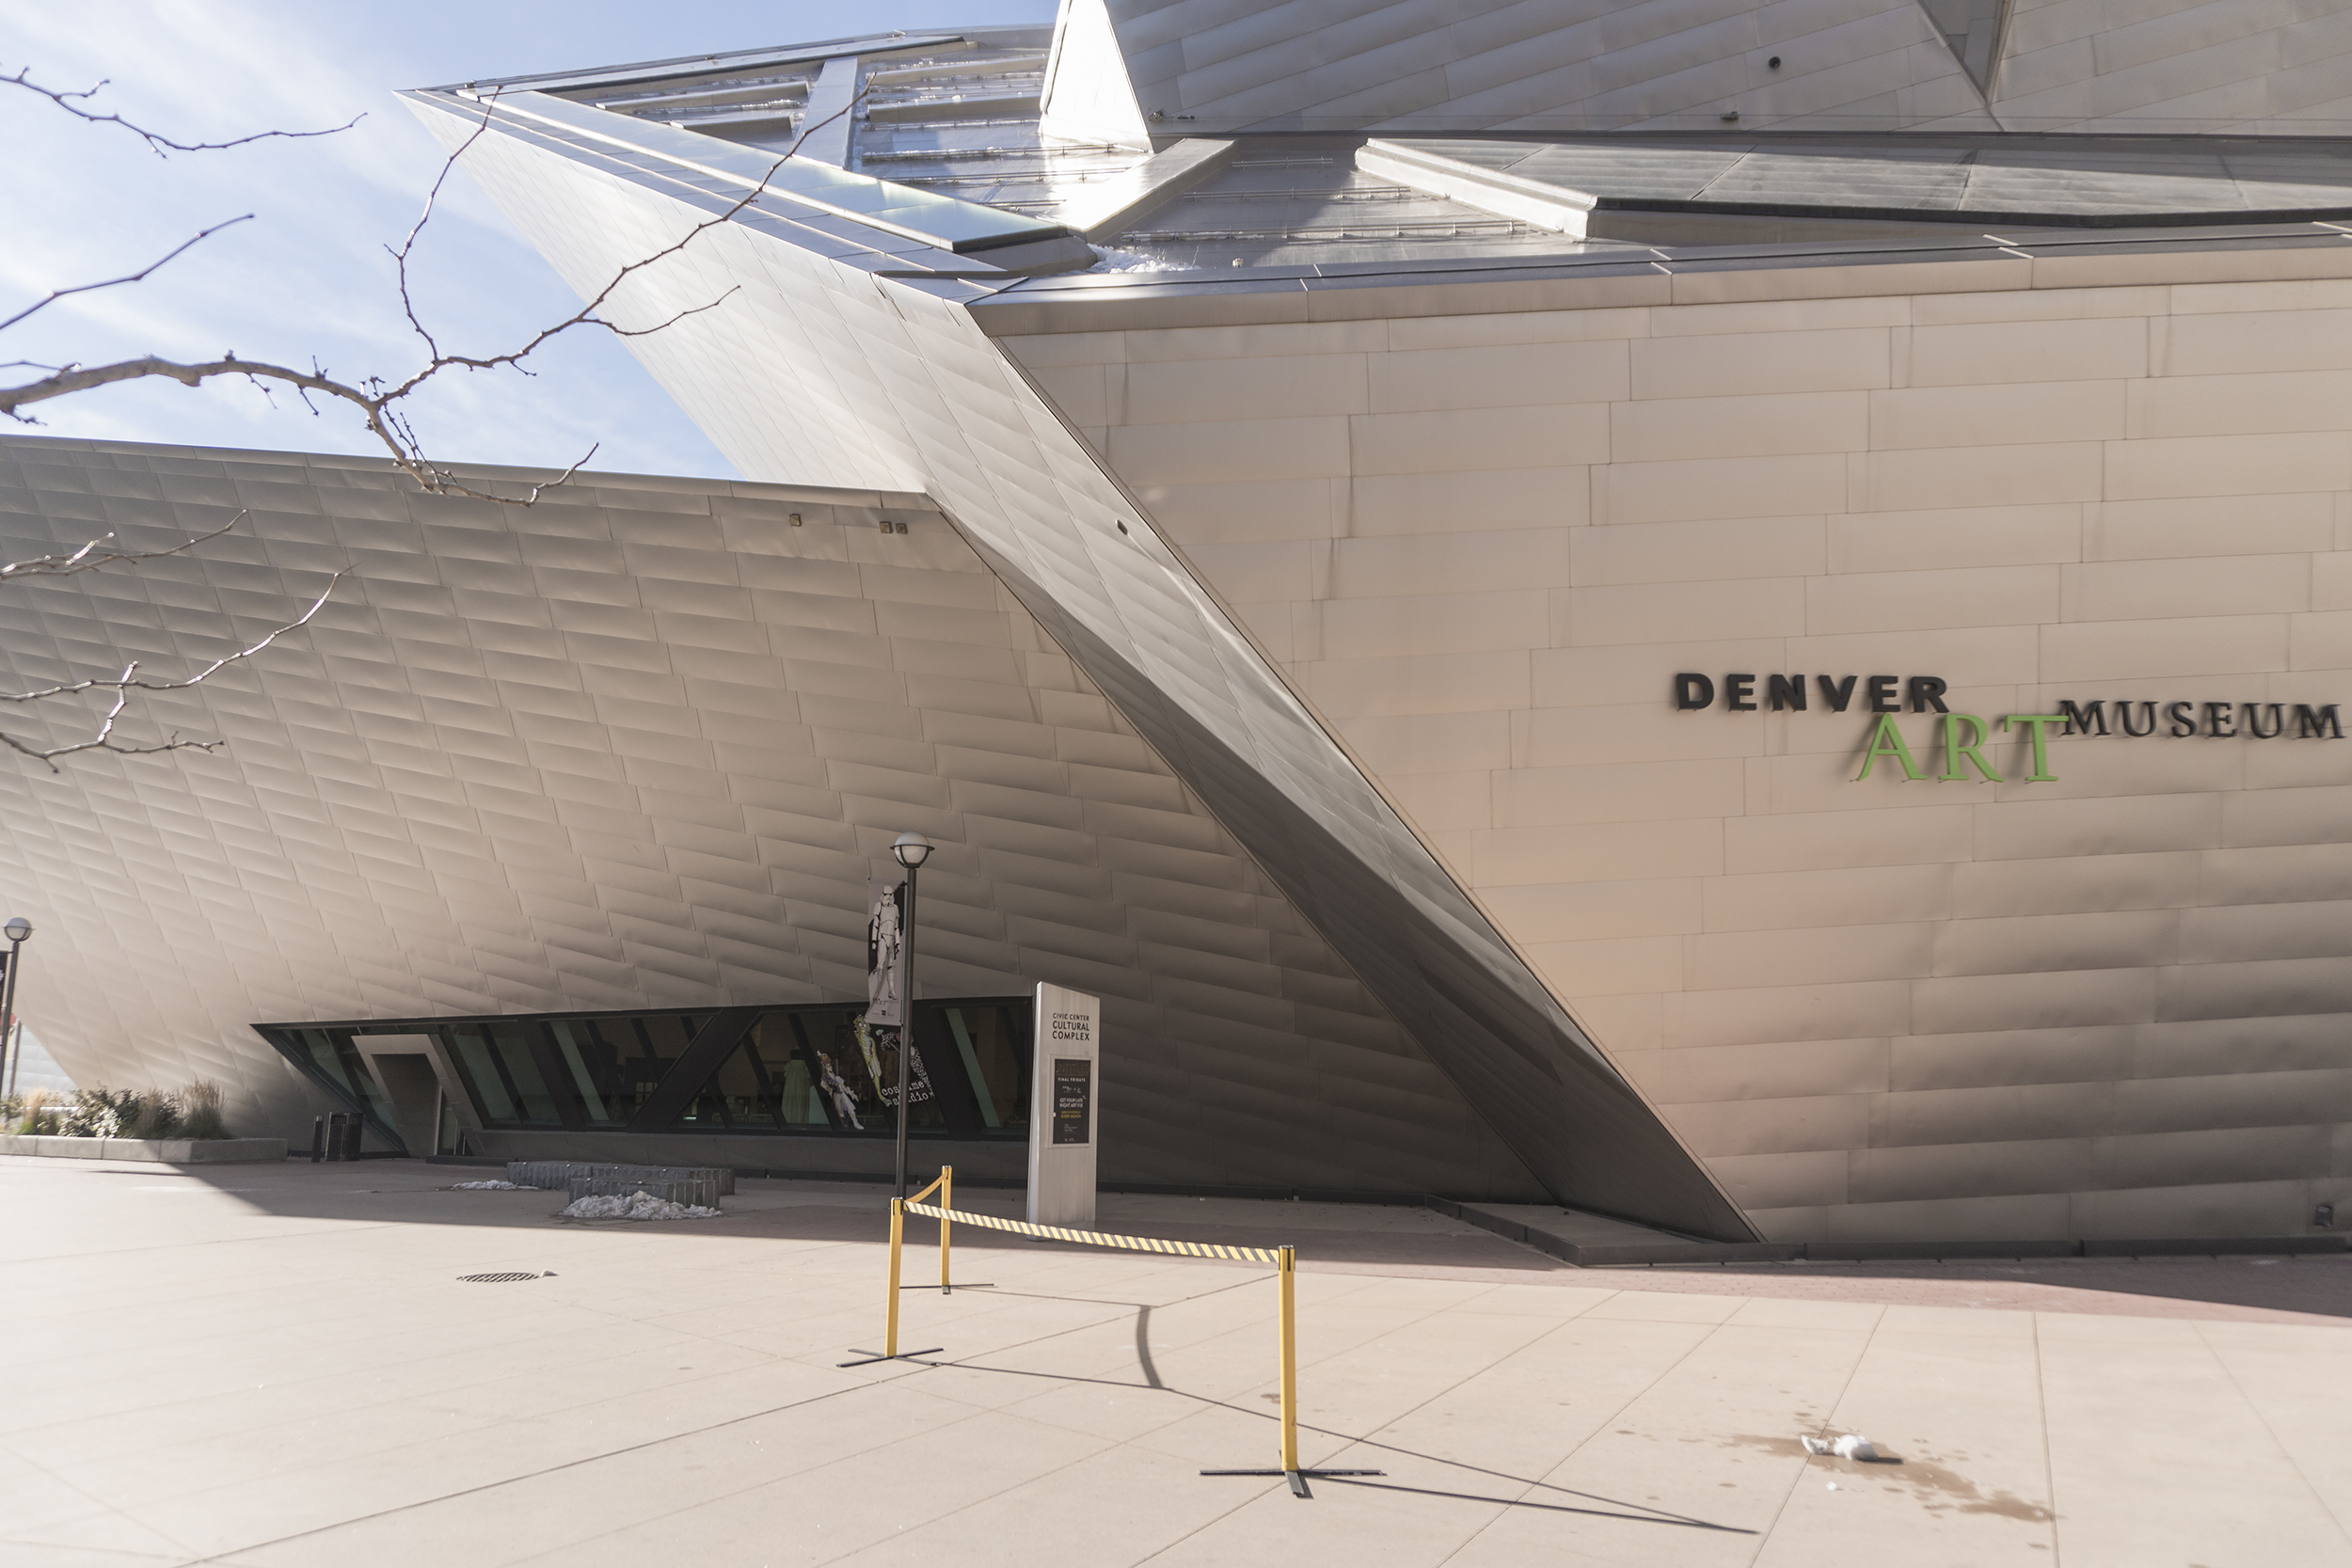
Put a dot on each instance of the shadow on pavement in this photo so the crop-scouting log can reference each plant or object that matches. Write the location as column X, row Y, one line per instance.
column 412, row 1192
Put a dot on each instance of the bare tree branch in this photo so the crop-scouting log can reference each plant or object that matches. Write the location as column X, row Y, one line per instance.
column 161, row 146
column 431, row 197
column 122, row 686
column 375, row 398
column 139, row 276
column 87, row 557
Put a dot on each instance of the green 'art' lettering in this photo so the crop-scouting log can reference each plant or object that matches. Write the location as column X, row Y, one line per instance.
column 2034, row 724
column 1955, row 749
column 1887, row 741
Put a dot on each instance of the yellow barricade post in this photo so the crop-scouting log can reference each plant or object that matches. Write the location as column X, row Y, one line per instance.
column 947, row 1206
column 898, row 1230
column 1287, row 1335
column 1285, row 1258
column 900, row 1209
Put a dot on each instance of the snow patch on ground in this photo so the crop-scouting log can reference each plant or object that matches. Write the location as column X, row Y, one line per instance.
column 485, row 1187
column 636, row 1206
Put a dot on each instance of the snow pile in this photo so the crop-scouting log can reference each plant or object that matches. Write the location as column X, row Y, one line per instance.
column 637, row 1206
column 485, row 1187
column 1108, row 259
column 1851, row 1446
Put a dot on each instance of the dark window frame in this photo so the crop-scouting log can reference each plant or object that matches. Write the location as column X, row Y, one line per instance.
column 285, row 1039
column 686, row 1077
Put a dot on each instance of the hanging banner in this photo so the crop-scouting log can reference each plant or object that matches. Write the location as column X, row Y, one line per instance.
column 885, row 950
column 878, row 1044
column 1065, row 1107
column 881, row 1029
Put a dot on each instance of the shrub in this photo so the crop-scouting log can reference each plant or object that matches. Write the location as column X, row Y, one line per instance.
column 199, row 1111
column 97, row 1113
column 151, row 1115
column 33, row 1115
column 194, row 1111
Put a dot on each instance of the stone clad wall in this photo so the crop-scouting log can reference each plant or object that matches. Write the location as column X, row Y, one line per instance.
column 2109, row 1003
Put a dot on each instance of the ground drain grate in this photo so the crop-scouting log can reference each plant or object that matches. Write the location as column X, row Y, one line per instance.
column 494, row 1278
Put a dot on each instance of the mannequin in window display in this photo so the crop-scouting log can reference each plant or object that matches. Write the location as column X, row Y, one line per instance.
column 837, row 1090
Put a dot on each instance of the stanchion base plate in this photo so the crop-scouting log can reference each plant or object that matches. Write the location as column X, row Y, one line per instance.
column 900, row 1356
column 1297, row 1478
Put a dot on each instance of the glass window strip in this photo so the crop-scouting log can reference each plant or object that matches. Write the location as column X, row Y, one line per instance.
column 536, row 1071
column 972, row 1066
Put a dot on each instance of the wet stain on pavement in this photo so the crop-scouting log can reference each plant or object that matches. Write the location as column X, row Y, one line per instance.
column 1938, row 1487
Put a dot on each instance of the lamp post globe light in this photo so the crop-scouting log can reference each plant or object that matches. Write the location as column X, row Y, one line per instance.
column 16, row 931
column 910, row 852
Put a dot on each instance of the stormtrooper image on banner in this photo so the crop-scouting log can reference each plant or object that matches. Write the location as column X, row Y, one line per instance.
column 885, row 946
column 880, row 1031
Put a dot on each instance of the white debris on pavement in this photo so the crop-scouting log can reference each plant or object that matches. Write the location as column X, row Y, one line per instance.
column 636, row 1206
column 485, row 1187
column 1851, row 1446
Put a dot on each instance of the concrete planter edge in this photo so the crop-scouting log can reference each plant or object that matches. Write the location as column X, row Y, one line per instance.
column 169, row 1151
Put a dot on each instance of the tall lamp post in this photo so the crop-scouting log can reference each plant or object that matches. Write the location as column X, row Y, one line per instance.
column 910, row 852
column 16, row 931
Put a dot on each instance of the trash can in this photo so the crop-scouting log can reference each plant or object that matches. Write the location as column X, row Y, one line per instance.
column 336, row 1136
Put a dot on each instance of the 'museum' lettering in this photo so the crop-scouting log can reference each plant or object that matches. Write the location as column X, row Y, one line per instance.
column 2214, row 721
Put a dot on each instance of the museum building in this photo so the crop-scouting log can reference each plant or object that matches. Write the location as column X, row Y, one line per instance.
column 1445, row 560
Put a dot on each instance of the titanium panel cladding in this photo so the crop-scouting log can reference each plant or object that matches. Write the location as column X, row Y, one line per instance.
column 910, row 392
column 639, row 746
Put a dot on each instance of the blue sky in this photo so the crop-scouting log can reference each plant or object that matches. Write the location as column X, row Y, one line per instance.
column 309, row 278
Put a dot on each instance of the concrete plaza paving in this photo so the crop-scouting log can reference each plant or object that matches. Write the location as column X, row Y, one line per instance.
column 280, row 1366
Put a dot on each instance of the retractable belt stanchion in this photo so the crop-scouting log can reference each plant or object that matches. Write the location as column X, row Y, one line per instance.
column 1285, row 1258
column 900, row 1209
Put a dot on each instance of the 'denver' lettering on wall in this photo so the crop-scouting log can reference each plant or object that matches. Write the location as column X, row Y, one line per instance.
column 1963, row 735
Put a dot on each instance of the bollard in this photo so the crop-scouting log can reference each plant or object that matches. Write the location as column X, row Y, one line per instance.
column 318, row 1139
column 1288, row 1334
column 898, row 1229
column 946, row 1201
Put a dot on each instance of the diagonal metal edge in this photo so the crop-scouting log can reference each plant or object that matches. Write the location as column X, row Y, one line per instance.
column 1526, row 1068
column 1456, row 944
column 1001, row 461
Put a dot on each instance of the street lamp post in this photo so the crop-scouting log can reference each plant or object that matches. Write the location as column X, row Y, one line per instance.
column 16, row 931
column 910, row 852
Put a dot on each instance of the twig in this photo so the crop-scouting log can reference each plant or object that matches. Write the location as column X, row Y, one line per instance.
column 88, row 560
column 129, row 681
column 161, row 146
column 139, row 276
column 375, row 398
